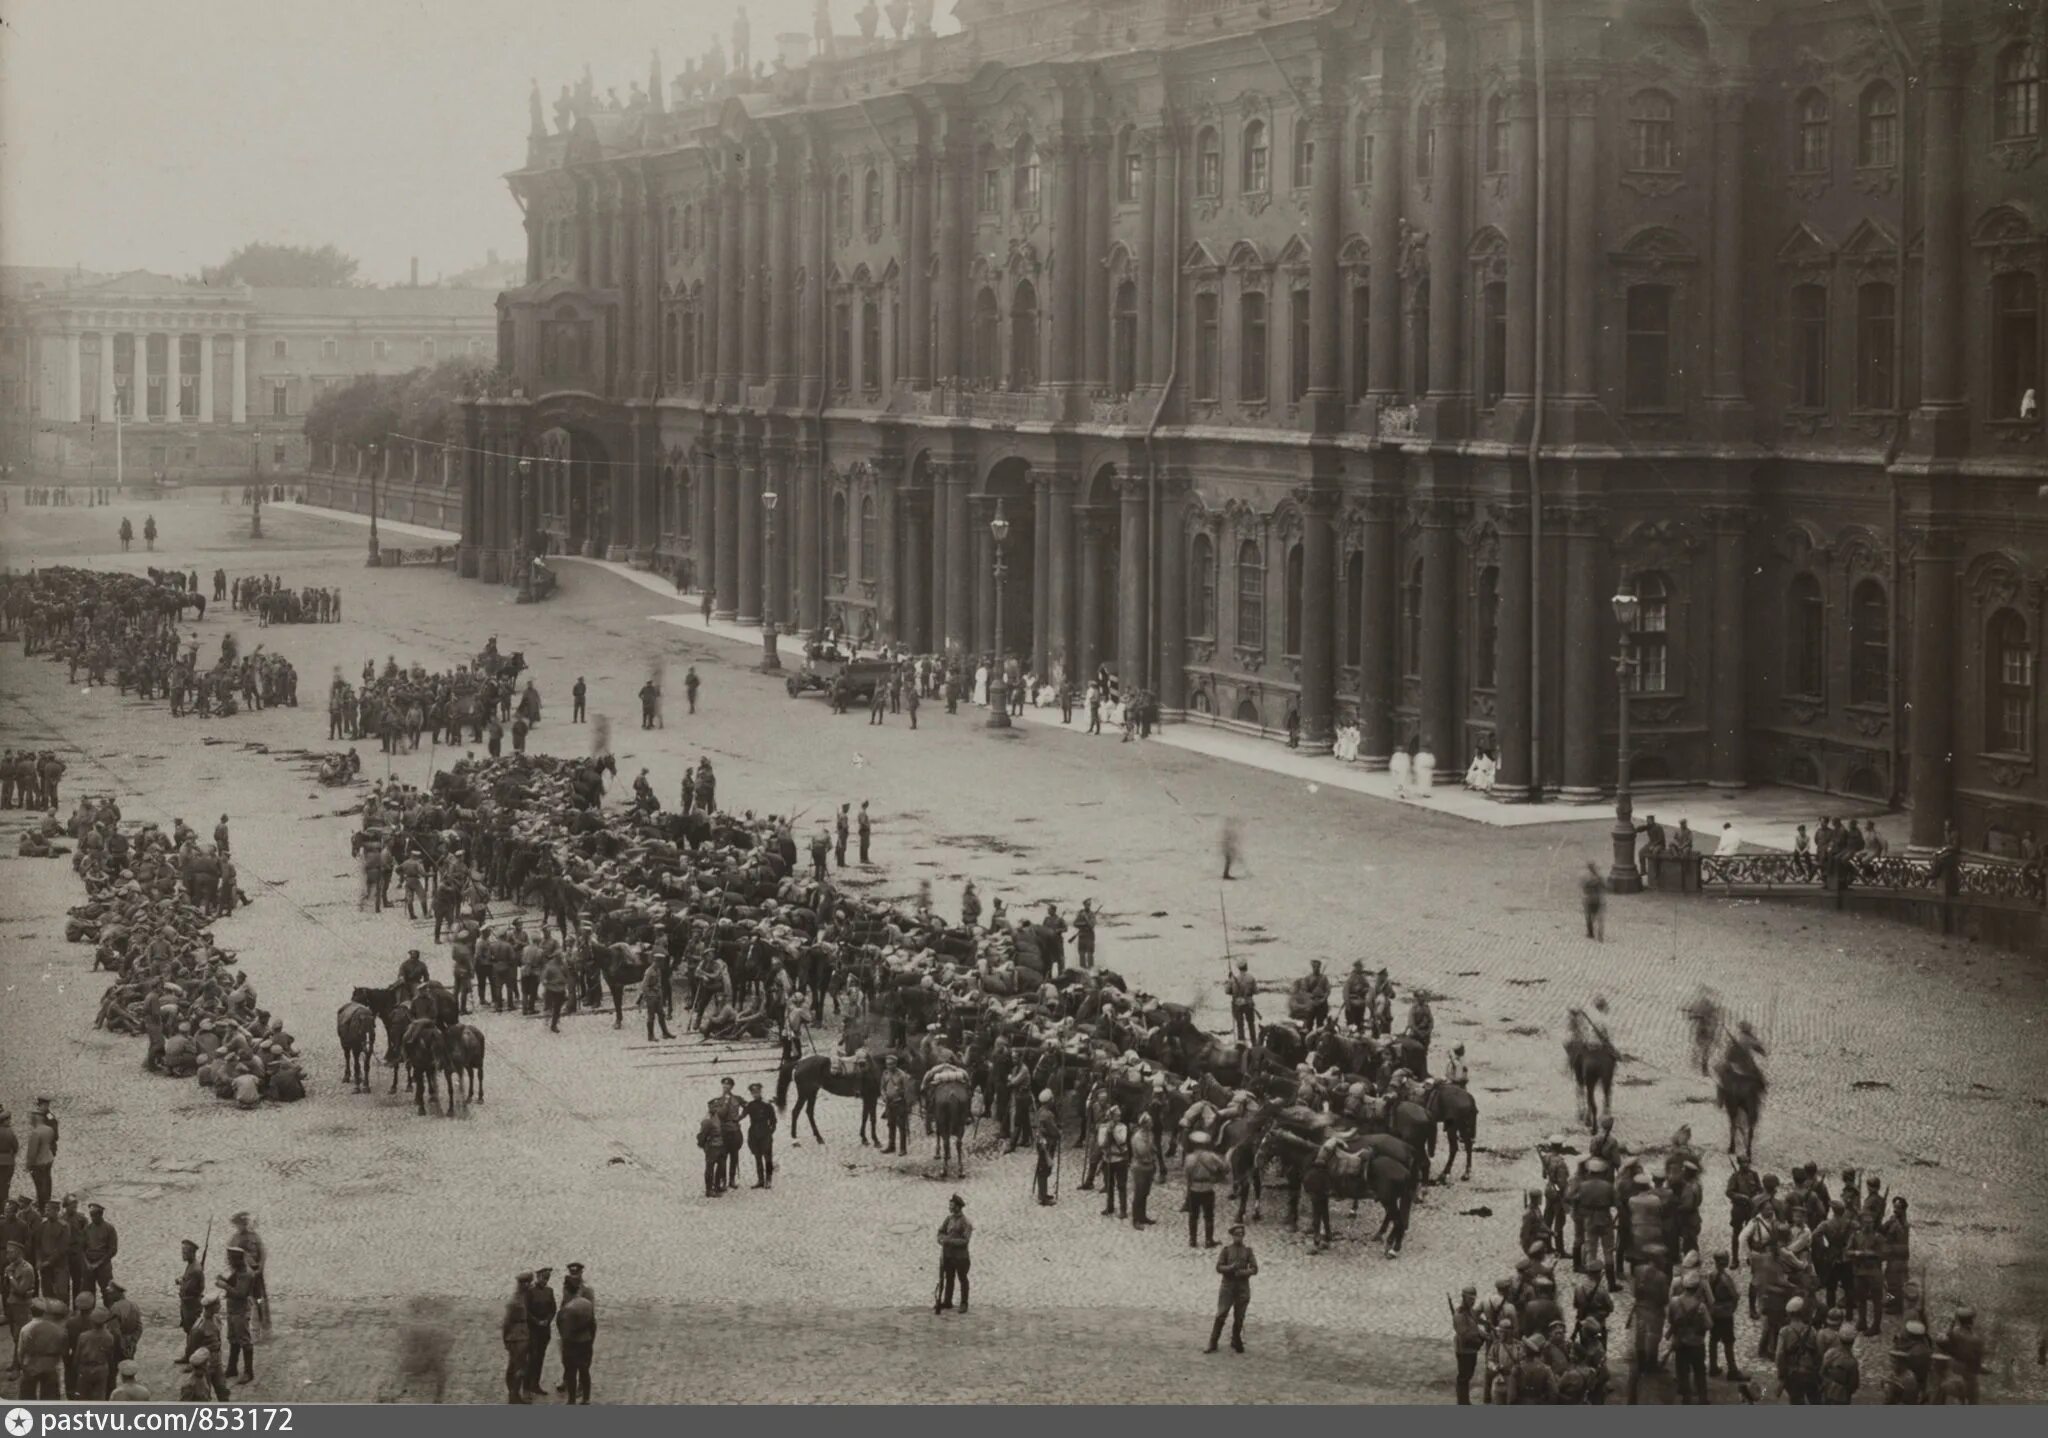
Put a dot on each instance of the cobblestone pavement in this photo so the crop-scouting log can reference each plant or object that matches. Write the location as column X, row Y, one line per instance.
column 1890, row 1049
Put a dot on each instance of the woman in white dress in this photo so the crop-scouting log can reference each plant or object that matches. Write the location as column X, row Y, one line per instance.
column 981, row 686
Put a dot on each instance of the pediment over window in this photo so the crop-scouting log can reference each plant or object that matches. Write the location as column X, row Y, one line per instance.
column 1805, row 248
column 1199, row 258
column 1654, row 247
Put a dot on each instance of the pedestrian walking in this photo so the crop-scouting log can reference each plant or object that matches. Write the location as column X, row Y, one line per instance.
column 690, row 683
column 1593, row 896
column 956, row 1231
column 577, row 696
column 1237, row 1265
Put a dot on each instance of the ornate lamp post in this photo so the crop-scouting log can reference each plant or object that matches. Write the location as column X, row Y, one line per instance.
column 998, row 685
column 521, row 532
column 374, row 559
column 1624, row 877
column 771, row 662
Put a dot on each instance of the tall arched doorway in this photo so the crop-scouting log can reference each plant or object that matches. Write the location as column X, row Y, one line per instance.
column 1100, row 568
column 1008, row 492
column 572, row 497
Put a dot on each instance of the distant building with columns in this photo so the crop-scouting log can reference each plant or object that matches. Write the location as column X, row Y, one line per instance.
column 1347, row 356
column 212, row 382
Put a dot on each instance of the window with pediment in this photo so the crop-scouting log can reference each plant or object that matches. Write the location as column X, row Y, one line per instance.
column 2016, row 96
column 1255, row 165
column 1877, row 126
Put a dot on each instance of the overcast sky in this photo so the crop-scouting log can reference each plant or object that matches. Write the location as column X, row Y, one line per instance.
column 161, row 134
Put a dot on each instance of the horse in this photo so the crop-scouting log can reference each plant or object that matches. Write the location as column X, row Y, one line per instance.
column 812, row 1074
column 356, row 1026
column 948, row 1102
column 426, row 1057
column 1739, row 1088
column 1237, row 1139
column 466, row 1057
column 1592, row 1067
column 389, row 1005
column 435, row 1000
column 1457, row 1114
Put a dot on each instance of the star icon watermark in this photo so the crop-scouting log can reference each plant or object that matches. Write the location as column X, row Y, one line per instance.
column 20, row 1421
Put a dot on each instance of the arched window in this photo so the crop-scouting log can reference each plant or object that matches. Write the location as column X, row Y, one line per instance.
column 1425, row 141
column 1024, row 337
column 1251, row 596
column 1487, row 657
column 1130, row 169
column 840, row 549
column 870, row 345
column 870, row 546
column 1870, row 650
column 1302, row 158
column 1251, row 344
column 1810, row 152
column 2009, row 685
column 1876, row 332
column 1362, row 147
column 1652, row 673
column 670, row 328
column 2016, row 106
column 871, row 201
column 1208, row 163
column 842, row 205
column 1411, row 622
column 1255, row 172
column 2016, row 346
column 1653, row 131
column 1806, row 638
column 1297, row 343
column 1493, row 343
column 1497, row 135
column 1123, row 376
column 1647, row 358
column 686, row 353
column 1024, row 175
column 1877, row 125
column 1292, row 635
column 842, row 345
column 988, row 354
column 989, row 199
column 1208, row 345
column 1202, row 586
column 1809, row 347
column 1354, row 608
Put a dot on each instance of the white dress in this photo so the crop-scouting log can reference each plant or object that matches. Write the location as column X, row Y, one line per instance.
column 981, row 686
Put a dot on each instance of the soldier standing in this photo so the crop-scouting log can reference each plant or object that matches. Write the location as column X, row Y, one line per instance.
column 1593, row 898
column 840, row 827
column 517, row 1336
column 577, row 1322
column 577, row 697
column 1688, row 1321
column 1798, row 1356
column 1468, row 1337
column 955, row 1232
column 1046, row 1125
column 761, row 1119
column 191, row 1285
column 896, row 1093
column 867, row 830
column 1244, row 1010
column 540, row 1318
column 1896, row 1239
column 1840, row 1374
column 240, row 1286
column 1723, row 1298
column 1237, row 1265
column 1965, row 1350
column 711, row 1139
column 690, row 683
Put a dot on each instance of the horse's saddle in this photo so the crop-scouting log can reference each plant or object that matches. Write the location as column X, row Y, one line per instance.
column 844, row 1065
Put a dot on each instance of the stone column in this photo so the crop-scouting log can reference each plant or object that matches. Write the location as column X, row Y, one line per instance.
column 1094, row 530
column 1512, row 638
column 888, row 618
column 1581, row 243
column 810, row 316
column 754, row 247
column 725, row 524
column 1442, row 718
column 174, row 362
column 782, row 267
column 775, row 535
column 958, row 159
column 959, row 478
column 1058, row 521
column 1165, row 268
column 1731, row 159
column 917, row 365
column 1070, row 262
column 1041, row 573
column 653, row 256
column 1147, row 257
column 936, row 524
column 1932, row 680
column 1094, row 258
column 1383, row 222
column 1521, row 227
column 915, row 626
column 586, row 240
column 1943, row 302
column 74, row 378
column 703, row 488
column 1588, row 658
column 1326, row 305
column 1319, row 601
column 106, row 411
column 1378, row 685
column 1133, row 572
column 731, row 265
column 532, row 248
column 748, row 502
column 206, row 379
column 239, row 410
column 1727, row 712
column 810, row 565
column 1447, row 241
column 986, row 640
column 1170, row 677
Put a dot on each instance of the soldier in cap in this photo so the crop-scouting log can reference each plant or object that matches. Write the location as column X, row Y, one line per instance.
column 1530, row 1380
column 202, row 1345
column 1468, row 1340
column 1902, row 1384
column 98, row 1244
column 540, row 1326
column 191, row 1284
column 1945, row 1387
column 1244, row 1010
column 197, row 1384
column 127, row 1387
column 1689, row 1322
column 1965, row 1350
column 896, row 1096
column 1046, row 1125
column 956, row 1231
column 1237, row 1265
column 1798, row 1356
column 517, row 1335
column 17, row 1292
column 1723, row 1297
column 1840, row 1374
column 239, row 1284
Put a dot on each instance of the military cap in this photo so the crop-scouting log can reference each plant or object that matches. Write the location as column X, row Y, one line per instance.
column 1237, row 1230
column 1795, row 1305
column 1915, row 1327
column 212, row 1301
column 575, row 1268
column 956, row 1201
column 1198, row 1139
column 127, row 1369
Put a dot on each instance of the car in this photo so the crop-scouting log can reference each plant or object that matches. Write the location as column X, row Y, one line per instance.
column 825, row 662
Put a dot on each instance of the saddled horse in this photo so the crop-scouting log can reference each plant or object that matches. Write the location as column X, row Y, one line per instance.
column 356, row 1026
column 426, row 1059
column 1591, row 1061
column 1237, row 1139
column 466, row 1058
column 1739, row 1088
column 1457, row 1114
column 1366, row 1165
column 391, row 1009
column 948, row 1103
column 813, row 1074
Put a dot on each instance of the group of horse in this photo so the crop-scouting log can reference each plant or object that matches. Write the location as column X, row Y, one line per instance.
column 1728, row 1053
column 424, row 1036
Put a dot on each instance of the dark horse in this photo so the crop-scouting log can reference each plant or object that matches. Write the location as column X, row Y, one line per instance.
column 1739, row 1088
column 1457, row 1114
column 466, row 1057
column 356, row 1026
column 388, row 1004
column 813, row 1074
column 426, row 1057
column 948, row 1102
column 1591, row 1060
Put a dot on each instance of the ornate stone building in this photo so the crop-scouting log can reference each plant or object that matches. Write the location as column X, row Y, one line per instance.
column 1349, row 355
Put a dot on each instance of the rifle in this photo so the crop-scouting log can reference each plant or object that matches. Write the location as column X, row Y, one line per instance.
column 207, row 1248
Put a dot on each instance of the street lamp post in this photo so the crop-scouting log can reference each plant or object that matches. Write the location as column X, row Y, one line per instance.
column 374, row 559
column 1624, row 877
column 771, row 662
column 998, row 685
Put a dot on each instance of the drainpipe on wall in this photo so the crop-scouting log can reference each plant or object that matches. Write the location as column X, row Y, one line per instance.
column 1538, row 385
column 1895, row 698
column 1158, row 541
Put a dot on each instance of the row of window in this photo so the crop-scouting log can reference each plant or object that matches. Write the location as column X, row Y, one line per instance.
column 429, row 349
column 843, row 560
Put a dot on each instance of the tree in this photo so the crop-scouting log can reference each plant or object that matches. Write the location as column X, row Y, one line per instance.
column 424, row 404
column 286, row 266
